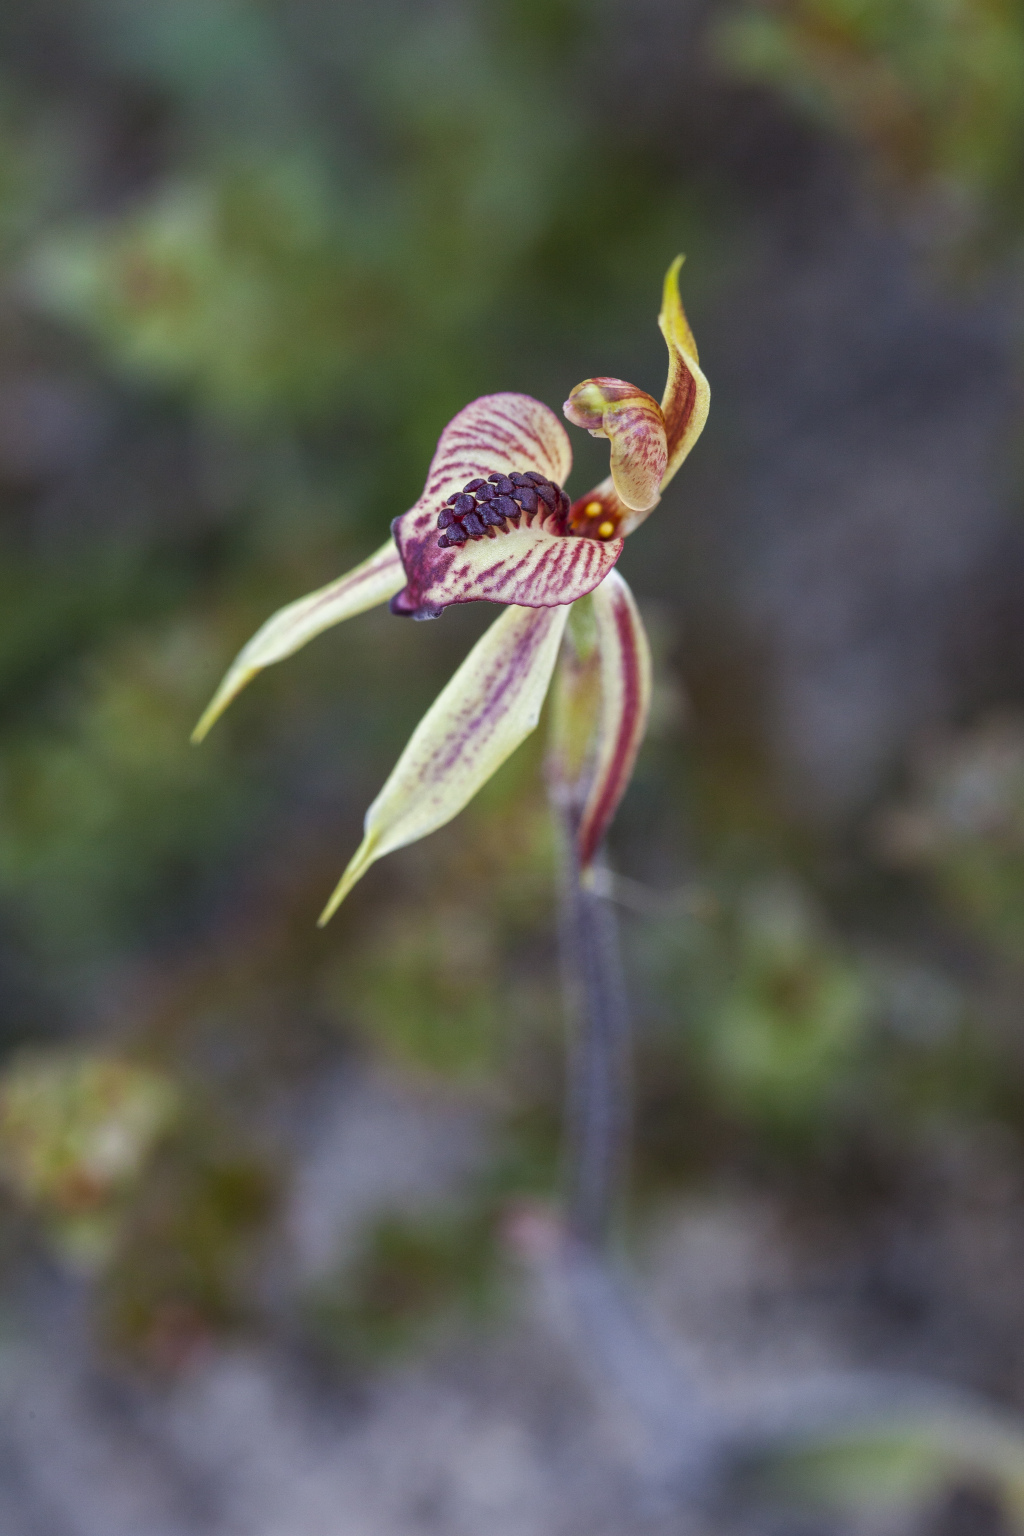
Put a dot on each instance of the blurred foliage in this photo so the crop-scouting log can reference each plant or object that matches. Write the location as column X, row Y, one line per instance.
column 963, row 824
column 771, row 1032
column 933, row 89
column 410, row 1278
column 233, row 288
column 903, row 1463
column 184, row 1271
column 787, row 1011
column 76, row 1132
column 103, row 807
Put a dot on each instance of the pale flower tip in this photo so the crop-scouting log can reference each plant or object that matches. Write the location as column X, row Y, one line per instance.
column 672, row 319
column 361, row 860
column 671, row 286
column 206, row 722
column 228, row 690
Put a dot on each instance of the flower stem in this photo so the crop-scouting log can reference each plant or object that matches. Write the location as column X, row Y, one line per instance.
column 597, row 1072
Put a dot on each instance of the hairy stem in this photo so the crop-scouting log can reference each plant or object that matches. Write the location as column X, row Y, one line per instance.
column 597, row 1088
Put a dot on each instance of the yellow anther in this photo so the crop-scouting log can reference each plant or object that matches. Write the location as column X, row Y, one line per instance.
column 592, row 508
column 605, row 530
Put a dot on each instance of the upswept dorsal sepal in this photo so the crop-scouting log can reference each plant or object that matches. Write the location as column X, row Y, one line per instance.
column 620, row 504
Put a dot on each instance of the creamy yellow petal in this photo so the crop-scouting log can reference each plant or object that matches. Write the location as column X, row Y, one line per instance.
column 575, row 707
column 491, row 704
column 602, row 701
column 373, row 582
column 687, row 396
column 624, row 708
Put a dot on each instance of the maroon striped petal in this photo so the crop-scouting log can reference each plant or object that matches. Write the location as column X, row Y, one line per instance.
column 496, row 435
column 531, row 567
column 687, row 396
column 602, row 701
column 535, row 563
column 624, row 708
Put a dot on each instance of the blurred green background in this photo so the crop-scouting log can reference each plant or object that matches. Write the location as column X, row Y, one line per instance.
column 253, row 256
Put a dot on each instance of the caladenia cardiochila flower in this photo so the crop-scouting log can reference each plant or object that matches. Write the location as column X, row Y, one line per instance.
column 495, row 524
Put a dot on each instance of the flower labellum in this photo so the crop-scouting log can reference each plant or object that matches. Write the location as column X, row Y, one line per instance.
column 533, row 559
column 494, row 524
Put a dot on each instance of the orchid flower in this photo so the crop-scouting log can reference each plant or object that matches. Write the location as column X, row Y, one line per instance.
column 494, row 523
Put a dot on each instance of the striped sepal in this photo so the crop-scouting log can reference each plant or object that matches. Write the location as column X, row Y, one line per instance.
column 290, row 628
column 491, row 704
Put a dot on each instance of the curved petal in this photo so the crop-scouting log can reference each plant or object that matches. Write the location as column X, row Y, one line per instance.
column 635, row 427
column 684, row 409
column 601, row 709
column 687, row 396
column 491, row 704
column 497, row 434
column 373, row 582
column 624, row 709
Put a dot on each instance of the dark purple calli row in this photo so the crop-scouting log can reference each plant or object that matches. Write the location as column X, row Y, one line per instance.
column 498, row 501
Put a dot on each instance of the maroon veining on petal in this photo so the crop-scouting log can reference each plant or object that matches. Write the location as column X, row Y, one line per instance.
column 625, row 704
column 511, row 544
column 533, row 567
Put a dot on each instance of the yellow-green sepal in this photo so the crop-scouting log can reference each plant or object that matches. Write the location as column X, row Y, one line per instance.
column 687, row 396
column 373, row 582
column 491, row 704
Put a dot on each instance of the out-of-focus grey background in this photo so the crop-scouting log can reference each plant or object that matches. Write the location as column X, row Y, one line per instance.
column 255, row 1177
